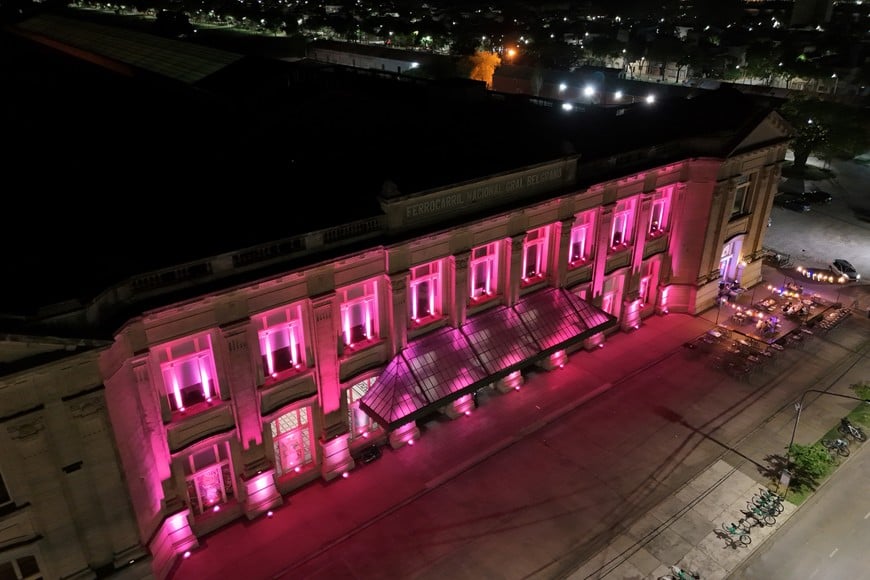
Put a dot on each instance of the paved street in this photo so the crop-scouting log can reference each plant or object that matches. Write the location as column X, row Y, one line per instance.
column 829, row 540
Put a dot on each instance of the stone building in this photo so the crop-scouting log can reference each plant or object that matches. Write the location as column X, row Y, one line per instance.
column 431, row 248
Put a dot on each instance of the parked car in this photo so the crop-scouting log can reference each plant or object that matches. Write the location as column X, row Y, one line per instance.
column 796, row 205
column 844, row 268
column 817, row 196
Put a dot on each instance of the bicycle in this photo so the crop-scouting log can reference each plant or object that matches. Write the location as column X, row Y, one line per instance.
column 760, row 515
column 738, row 532
column 767, row 494
column 774, row 506
column 837, row 447
column 848, row 430
column 678, row 573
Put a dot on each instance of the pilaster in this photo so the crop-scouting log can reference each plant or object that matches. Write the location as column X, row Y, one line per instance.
column 397, row 285
column 515, row 269
column 243, row 385
column 562, row 251
column 326, row 339
column 460, row 288
column 336, row 456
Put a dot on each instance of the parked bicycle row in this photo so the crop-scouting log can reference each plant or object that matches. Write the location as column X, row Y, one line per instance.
column 761, row 511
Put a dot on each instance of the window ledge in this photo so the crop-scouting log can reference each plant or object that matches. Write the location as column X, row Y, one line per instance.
column 279, row 377
column 483, row 299
column 618, row 248
column 351, row 349
column 526, row 282
column 197, row 409
column 579, row 263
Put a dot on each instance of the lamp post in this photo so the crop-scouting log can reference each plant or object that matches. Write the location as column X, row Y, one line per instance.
column 836, row 83
column 799, row 407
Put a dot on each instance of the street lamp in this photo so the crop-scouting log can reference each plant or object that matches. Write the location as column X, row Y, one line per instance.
column 836, row 82
column 799, row 407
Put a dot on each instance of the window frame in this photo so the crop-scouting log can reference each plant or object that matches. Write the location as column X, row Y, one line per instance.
column 582, row 234
column 623, row 214
column 287, row 319
column 741, row 198
column 225, row 469
column 353, row 394
column 363, row 295
column 278, row 436
column 536, row 239
column 424, row 276
column 489, row 262
column 203, row 353
column 4, row 492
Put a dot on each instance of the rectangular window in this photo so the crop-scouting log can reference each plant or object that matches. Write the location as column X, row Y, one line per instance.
column 644, row 291
column 535, row 255
column 607, row 302
column 189, row 375
column 5, row 498
column 23, row 568
column 360, row 423
column 292, row 436
column 209, row 477
column 425, row 292
column 740, row 198
column 281, row 344
column 660, row 212
column 620, row 234
column 623, row 223
column 359, row 313
column 483, row 271
column 581, row 239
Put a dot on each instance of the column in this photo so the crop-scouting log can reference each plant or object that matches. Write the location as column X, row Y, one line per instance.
column 152, row 418
column 602, row 248
column 460, row 286
column 107, row 493
column 397, row 286
column 515, row 269
column 562, row 252
column 334, row 449
column 327, row 336
column 242, row 384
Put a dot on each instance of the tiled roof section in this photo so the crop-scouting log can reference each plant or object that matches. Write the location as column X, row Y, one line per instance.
column 181, row 61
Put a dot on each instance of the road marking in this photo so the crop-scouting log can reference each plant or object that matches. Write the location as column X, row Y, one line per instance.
column 867, row 516
column 831, row 555
column 813, row 575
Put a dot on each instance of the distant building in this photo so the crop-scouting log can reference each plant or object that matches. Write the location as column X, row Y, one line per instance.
column 416, row 250
column 810, row 13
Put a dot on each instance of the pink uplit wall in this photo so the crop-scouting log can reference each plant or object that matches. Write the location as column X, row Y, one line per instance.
column 173, row 538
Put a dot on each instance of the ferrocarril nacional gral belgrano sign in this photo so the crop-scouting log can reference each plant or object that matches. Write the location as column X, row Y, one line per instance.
column 429, row 207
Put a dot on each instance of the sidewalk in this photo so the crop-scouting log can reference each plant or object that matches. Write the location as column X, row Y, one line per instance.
column 321, row 520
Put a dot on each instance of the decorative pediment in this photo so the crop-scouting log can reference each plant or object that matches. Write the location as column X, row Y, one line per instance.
column 771, row 130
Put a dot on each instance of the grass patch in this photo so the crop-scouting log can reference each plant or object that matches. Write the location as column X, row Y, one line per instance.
column 798, row 493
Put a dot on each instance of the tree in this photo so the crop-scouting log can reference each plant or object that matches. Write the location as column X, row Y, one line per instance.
column 483, row 65
column 809, row 463
column 834, row 130
column 861, row 389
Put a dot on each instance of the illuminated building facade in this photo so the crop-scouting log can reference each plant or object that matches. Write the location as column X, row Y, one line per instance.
column 233, row 380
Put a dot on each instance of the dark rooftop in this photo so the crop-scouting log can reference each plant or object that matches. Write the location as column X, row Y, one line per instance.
column 115, row 175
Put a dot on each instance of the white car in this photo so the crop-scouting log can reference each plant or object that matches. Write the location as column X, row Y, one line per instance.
column 845, row 269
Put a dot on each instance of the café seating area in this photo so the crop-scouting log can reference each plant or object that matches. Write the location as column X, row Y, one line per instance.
column 752, row 334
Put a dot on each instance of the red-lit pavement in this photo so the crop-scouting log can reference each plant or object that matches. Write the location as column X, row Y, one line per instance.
column 694, row 414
